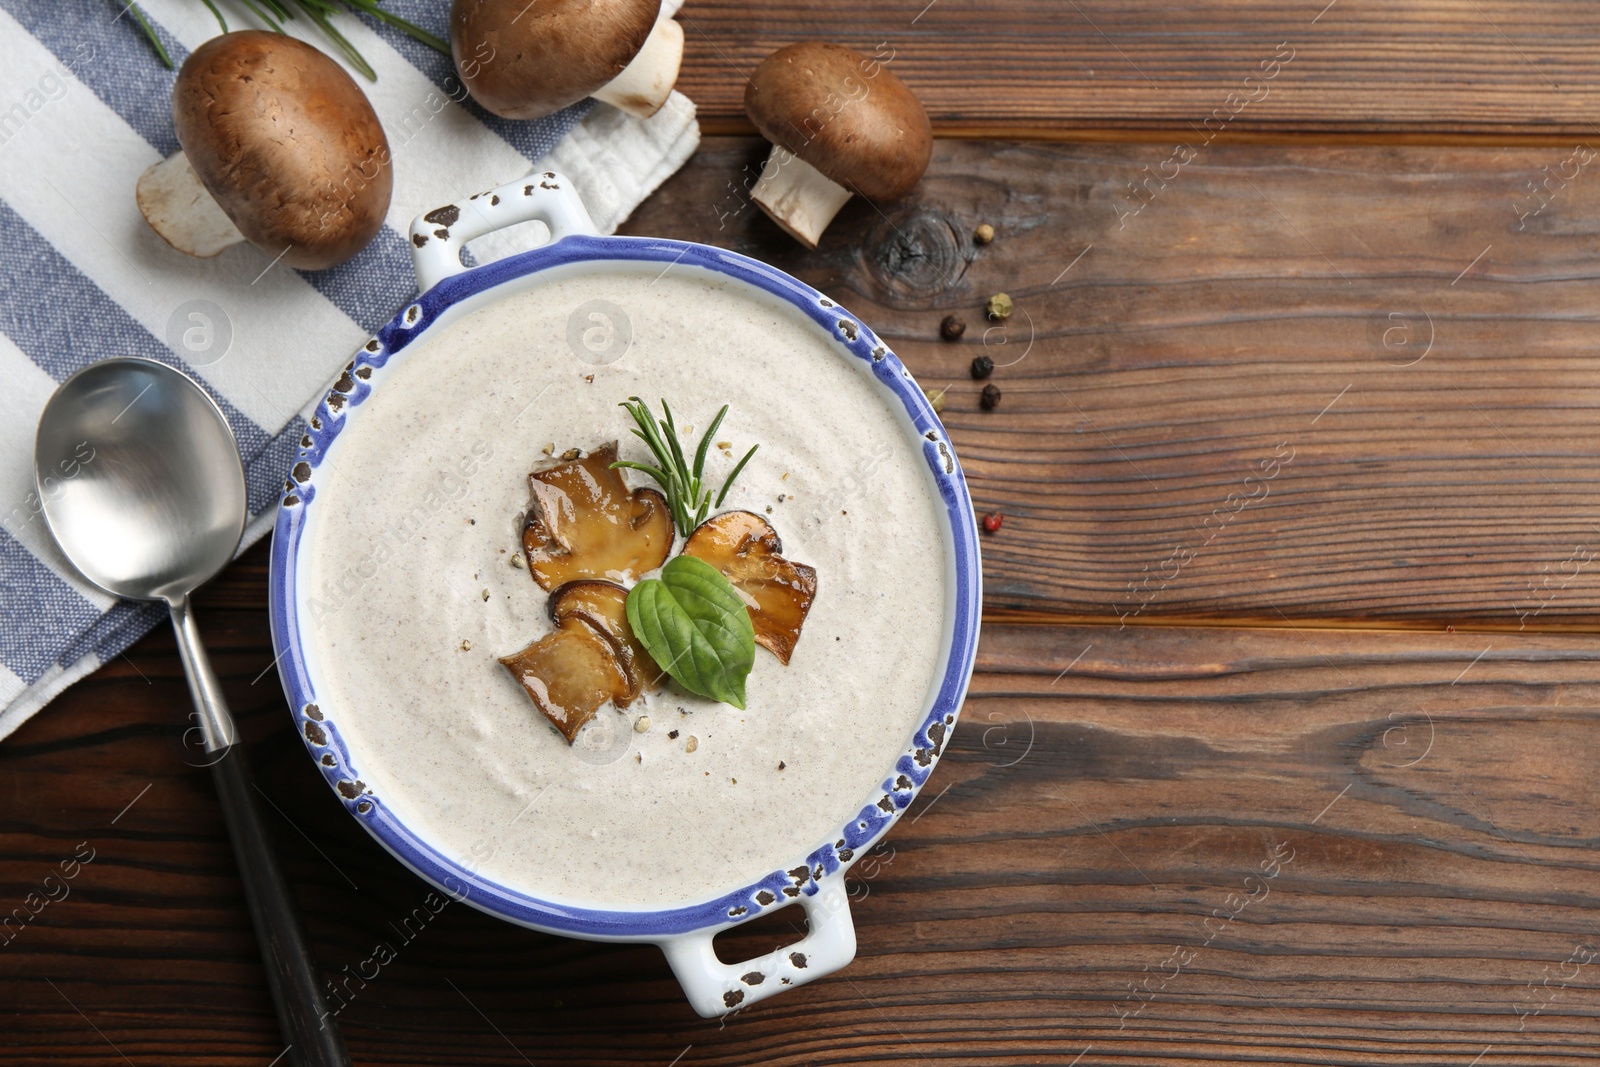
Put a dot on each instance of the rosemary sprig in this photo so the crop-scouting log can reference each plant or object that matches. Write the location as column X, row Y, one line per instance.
column 150, row 32
column 688, row 499
column 273, row 14
column 210, row 5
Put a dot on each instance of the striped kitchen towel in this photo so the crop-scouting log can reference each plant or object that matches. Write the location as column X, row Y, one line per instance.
column 84, row 109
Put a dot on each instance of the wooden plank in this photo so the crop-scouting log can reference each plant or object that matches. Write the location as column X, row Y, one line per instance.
column 1296, row 383
column 1107, row 803
column 1433, row 67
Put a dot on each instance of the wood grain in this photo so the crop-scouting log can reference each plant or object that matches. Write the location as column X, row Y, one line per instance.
column 1106, row 794
column 1440, row 68
column 1396, row 335
column 1318, row 383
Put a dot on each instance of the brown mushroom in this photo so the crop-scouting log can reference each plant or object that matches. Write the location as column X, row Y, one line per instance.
column 840, row 124
column 525, row 61
column 584, row 523
column 777, row 592
column 281, row 148
column 604, row 607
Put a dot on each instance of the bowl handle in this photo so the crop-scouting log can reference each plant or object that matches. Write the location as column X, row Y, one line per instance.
column 438, row 236
column 716, row 988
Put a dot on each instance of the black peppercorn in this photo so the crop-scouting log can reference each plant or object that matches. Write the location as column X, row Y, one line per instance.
column 982, row 367
column 990, row 398
column 951, row 328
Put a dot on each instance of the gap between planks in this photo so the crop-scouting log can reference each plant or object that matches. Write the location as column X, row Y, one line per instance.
column 1293, row 138
column 1047, row 620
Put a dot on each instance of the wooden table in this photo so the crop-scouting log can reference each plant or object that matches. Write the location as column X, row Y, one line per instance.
column 1282, row 744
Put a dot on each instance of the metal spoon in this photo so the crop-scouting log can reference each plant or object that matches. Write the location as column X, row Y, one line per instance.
column 141, row 485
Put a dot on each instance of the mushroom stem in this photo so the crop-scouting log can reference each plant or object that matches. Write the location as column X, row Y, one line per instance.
column 180, row 209
column 647, row 81
column 797, row 196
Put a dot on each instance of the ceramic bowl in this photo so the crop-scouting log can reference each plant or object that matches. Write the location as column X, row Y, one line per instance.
column 684, row 933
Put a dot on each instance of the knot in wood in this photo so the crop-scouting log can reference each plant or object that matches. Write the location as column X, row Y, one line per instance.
column 917, row 254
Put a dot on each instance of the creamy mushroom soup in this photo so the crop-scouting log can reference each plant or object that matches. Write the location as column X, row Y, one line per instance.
column 415, row 590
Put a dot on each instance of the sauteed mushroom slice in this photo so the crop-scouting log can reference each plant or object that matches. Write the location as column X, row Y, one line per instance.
column 585, row 523
column 604, row 607
column 777, row 592
column 570, row 674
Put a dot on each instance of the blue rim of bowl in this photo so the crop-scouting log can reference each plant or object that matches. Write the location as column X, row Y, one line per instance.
column 320, row 732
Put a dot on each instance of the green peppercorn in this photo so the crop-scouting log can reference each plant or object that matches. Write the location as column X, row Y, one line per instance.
column 999, row 306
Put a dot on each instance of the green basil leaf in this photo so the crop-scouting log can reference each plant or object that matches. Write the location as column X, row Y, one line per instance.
column 694, row 625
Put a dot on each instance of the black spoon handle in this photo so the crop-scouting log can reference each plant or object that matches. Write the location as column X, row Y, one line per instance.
column 303, row 1016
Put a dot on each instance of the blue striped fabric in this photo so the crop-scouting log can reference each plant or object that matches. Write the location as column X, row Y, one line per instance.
column 48, row 301
column 56, row 613
column 372, row 285
column 81, row 93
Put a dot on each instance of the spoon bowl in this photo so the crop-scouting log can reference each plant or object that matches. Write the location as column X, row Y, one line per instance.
column 140, row 479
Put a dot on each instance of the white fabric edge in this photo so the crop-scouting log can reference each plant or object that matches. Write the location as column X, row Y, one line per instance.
column 43, row 691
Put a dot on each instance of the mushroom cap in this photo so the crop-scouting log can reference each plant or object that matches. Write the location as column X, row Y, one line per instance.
column 845, row 114
column 287, row 144
column 525, row 61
